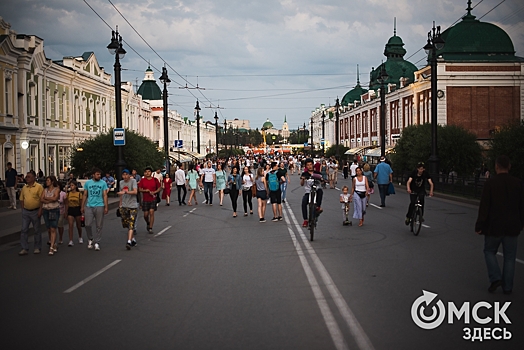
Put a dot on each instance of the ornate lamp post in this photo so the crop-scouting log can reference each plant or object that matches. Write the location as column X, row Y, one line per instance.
column 216, row 132
column 225, row 133
column 382, row 80
column 197, row 114
column 435, row 42
column 323, row 134
column 115, row 48
column 165, row 80
column 312, row 143
column 337, row 133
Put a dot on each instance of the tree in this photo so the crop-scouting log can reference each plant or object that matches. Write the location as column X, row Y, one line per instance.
column 331, row 151
column 99, row 152
column 457, row 149
column 509, row 141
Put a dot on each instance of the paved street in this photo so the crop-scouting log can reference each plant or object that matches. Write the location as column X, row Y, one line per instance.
column 206, row 280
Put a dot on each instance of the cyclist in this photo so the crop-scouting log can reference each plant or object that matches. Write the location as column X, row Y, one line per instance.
column 416, row 187
column 306, row 175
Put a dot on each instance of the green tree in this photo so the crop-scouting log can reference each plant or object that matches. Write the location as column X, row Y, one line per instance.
column 332, row 151
column 99, row 152
column 457, row 149
column 509, row 141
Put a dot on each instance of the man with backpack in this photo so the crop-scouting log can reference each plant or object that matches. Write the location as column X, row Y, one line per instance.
column 275, row 195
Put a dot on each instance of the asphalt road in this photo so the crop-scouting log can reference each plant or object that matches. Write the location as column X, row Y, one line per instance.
column 206, row 280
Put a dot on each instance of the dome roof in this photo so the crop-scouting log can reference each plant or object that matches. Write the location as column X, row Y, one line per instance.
column 149, row 89
column 353, row 95
column 472, row 40
column 395, row 47
column 267, row 125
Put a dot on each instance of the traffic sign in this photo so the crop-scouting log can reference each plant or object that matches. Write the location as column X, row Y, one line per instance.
column 119, row 137
column 179, row 144
column 322, row 141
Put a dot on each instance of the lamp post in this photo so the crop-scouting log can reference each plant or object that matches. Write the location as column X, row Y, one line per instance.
column 435, row 42
column 236, row 137
column 305, row 134
column 216, row 132
column 323, row 134
column 382, row 80
column 312, row 143
column 165, row 80
column 197, row 113
column 225, row 134
column 337, row 133
column 115, row 48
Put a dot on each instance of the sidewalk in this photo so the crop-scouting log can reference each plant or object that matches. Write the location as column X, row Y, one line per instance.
column 11, row 221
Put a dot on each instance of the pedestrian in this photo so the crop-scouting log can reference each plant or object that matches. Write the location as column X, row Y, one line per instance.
column 261, row 185
column 324, row 172
column 234, row 181
column 158, row 175
column 275, row 195
column 128, row 206
column 247, row 193
column 208, row 178
column 345, row 200
column 501, row 219
column 31, row 213
column 220, row 175
column 166, row 188
column 51, row 210
column 11, row 180
column 135, row 176
column 353, row 168
column 192, row 179
column 40, row 174
column 332, row 169
column 72, row 208
column 94, row 207
column 345, row 169
column 335, row 166
column 360, row 188
column 149, row 186
column 369, row 175
column 384, row 176
column 180, row 181
column 284, row 176
column 109, row 180
column 63, row 214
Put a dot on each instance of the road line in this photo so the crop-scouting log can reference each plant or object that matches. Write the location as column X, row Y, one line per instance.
column 376, row 206
column 336, row 188
column 517, row 260
column 426, row 226
column 354, row 326
column 81, row 283
column 192, row 210
column 164, row 230
column 329, row 319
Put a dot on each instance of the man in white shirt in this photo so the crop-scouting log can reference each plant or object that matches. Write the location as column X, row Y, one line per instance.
column 180, row 180
column 208, row 177
column 353, row 169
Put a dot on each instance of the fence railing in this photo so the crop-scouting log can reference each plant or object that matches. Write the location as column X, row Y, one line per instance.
column 469, row 187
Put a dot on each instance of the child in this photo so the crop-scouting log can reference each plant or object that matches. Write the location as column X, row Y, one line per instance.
column 344, row 199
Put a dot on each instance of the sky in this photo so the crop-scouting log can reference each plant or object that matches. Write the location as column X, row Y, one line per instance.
column 256, row 60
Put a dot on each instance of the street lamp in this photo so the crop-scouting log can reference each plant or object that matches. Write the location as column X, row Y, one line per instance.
column 337, row 136
column 323, row 134
column 225, row 135
column 197, row 113
column 435, row 42
column 382, row 80
column 165, row 80
column 115, row 48
column 216, row 132
column 312, row 143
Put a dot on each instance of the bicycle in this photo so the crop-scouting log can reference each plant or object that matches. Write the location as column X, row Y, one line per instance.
column 416, row 217
column 312, row 207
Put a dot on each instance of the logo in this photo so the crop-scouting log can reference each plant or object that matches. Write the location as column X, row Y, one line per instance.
column 421, row 304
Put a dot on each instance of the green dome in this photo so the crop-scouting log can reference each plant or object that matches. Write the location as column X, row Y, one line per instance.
column 353, row 94
column 267, row 125
column 149, row 89
column 395, row 47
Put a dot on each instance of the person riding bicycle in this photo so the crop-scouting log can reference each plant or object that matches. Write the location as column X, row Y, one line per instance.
column 416, row 187
column 309, row 173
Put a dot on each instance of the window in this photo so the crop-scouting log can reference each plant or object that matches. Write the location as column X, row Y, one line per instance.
column 7, row 95
column 63, row 157
column 33, row 157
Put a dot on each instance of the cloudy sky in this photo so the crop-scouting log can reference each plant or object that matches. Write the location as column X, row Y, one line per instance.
column 256, row 59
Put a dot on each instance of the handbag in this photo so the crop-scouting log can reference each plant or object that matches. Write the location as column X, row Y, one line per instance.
column 254, row 191
column 361, row 194
column 118, row 213
column 391, row 189
column 227, row 190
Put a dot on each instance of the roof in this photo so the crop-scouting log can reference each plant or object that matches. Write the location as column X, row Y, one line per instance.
column 353, row 95
column 267, row 125
column 150, row 90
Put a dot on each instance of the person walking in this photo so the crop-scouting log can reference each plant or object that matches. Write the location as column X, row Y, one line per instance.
column 192, row 179
column 275, row 195
column 501, row 219
column 261, row 185
column 353, row 168
column 208, row 178
column 344, row 198
column 345, row 169
column 324, row 172
column 384, row 176
column 11, row 180
column 180, row 181
column 128, row 206
column 149, row 187
column 166, row 188
column 94, row 207
column 220, row 175
column 369, row 175
column 63, row 214
column 51, row 210
column 361, row 188
column 72, row 209
column 247, row 193
column 234, row 182
column 332, row 169
column 283, row 174
column 31, row 213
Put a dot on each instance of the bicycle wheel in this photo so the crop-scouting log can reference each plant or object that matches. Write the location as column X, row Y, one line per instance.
column 312, row 215
column 417, row 221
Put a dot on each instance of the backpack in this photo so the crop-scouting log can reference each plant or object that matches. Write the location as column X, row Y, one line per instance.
column 274, row 185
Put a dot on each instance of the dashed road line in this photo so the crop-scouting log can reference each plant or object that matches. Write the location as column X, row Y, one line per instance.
column 81, row 283
column 186, row 214
column 517, row 260
column 426, row 226
column 376, row 206
column 164, row 230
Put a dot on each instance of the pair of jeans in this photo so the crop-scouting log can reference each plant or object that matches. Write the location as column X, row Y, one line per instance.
column 233, row 193
column 11, row 193
column 30, row 217
column 305, row 201
column 383, row 190
column 208, row 192
column 180, row 188
column 247, row 199
column 509, row 248
column 283, row 188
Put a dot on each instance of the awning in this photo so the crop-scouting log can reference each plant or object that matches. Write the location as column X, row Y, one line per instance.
column 195, row 155
column 357, row 149
column 376, row 152
column 182, row 158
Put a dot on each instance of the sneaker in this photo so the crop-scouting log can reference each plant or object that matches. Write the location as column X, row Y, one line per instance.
column 133, row 243
column 319, row 210
column 70, row 244
column 90, row 244
column 97, row 246
column 407, row 221
column 128, row 245
column 280, row 218
column 150, row 230
column 262, row 220
column 36, row 251
column 283, row 201
column 23, row 252
column 304, row 224
column 274, row 219
column 10, row 207
column 80, row 241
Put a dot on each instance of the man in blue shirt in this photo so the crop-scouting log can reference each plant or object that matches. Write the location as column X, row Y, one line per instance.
column 10, row 183
column 383, row 175
column 109, row 180
column 95, row 195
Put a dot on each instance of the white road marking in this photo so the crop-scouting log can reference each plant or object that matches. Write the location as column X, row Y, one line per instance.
column 426, row 226
column 336, row 188
column 376, row 206
column 517, row 260
column 81, row 283
column 354, row 326
column 164, row 230
column 192, row 210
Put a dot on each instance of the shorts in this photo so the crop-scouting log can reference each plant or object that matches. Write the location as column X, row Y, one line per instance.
column 275, row 197
column 147, row 206
column 128, row 217
column 61, row 221
column 74, row 211
column 262, row 194
column 51, row 217
column 331, row 176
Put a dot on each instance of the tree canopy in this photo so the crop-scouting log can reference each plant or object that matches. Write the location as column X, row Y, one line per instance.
column 509, row 141
column 99, row 152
